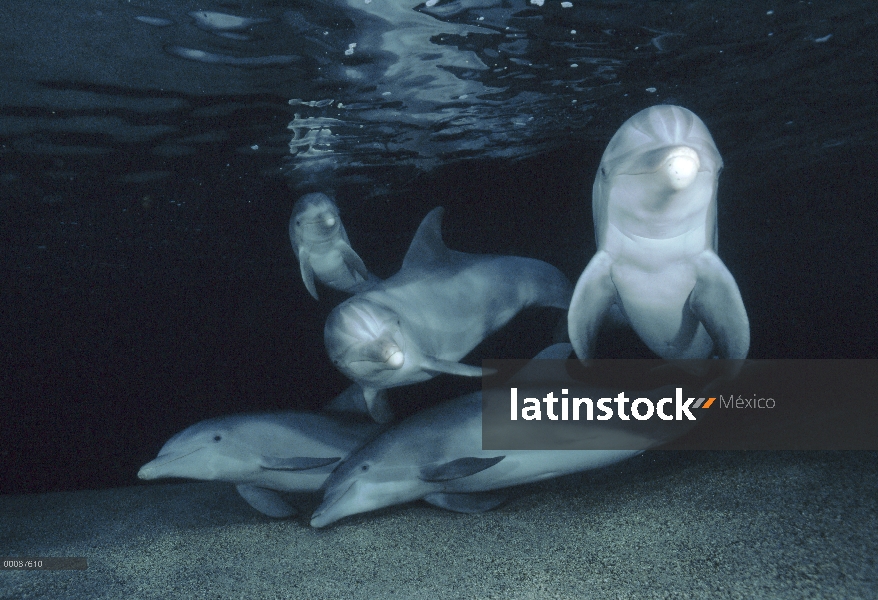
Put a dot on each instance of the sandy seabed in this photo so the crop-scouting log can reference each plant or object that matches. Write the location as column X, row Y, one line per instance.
column 662, row 525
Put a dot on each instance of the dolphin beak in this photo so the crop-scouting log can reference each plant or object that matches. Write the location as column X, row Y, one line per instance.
column 681, row 167
column 153, row 469
column 383, row 354
column 329, row 510
column 149, row 470
column 327, row 220
column 395, row 357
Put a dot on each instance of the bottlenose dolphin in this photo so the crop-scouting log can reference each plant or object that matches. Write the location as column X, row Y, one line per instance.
column 262, row 454
column 425, row 318
column 654, row 208
column 436, row 455
column 323, row 248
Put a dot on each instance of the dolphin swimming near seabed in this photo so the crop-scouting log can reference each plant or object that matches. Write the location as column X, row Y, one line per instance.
column 323, row 248
column 654, row 208
column 436, row 455
column 262, row 454
column 433, row 312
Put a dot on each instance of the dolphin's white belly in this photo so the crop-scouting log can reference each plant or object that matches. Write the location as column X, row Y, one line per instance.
column 327, row 260
column 294, row 481
column 528, row 466
column 653, row 280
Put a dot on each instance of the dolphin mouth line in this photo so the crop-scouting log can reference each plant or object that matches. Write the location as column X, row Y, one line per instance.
column 167, row 462
column 392, row 363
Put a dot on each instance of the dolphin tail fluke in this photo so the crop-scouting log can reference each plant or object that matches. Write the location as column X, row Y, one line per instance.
column 268, row 502
column 594, row 295
column 475, row 502
column 307, row 273
column 377, row 405
column 716, row 302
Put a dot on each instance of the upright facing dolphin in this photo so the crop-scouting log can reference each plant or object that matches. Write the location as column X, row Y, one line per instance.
column 438, row 307
column 436, row 455
column 654, row 206
column 261, row 454
column 322, row 246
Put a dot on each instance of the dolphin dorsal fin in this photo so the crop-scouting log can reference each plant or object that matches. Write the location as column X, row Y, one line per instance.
column 427, row 246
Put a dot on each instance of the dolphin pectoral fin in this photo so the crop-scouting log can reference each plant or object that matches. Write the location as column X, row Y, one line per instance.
column 462, row 467
column 716, row 302
column 593, row 296
column 453, row 368
column 307, row 272
column 376, row 404
column 353, row 262
column 475, row 502
column 296, row 463
column 268, row 502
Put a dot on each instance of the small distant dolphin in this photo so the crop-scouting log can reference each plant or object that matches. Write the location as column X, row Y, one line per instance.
column 654, row 205
column 322, row 246
column 262, row 454
column 433, row 312
column 436, row 455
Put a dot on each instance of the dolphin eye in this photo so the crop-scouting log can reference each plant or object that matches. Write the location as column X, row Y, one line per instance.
column 217, row 437
column 603, row 171
column 364, row 468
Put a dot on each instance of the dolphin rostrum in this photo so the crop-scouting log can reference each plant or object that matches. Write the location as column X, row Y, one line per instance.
column 433, row 312
column 323, row 248
column 262, row 454
column 436, row 455
column 654, row 208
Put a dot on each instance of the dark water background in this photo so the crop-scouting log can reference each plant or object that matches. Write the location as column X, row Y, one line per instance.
column 147, row 173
